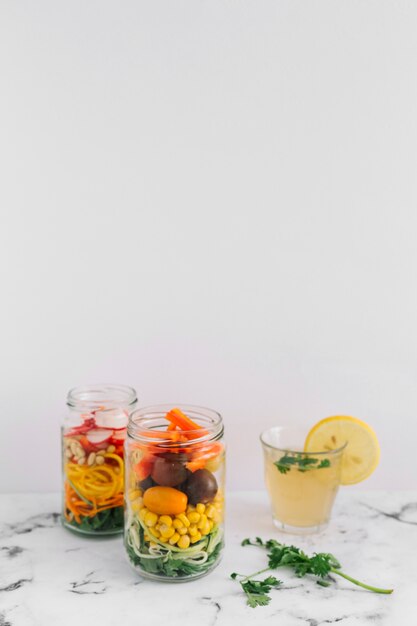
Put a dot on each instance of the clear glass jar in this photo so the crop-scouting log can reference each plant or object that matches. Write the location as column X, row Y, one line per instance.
column 174, row 491
column 93, row 435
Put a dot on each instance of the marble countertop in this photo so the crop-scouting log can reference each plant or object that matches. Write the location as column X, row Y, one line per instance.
column 51, row 577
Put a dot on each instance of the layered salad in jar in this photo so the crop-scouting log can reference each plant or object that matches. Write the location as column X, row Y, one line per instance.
column 174, row 495
column 93, row 472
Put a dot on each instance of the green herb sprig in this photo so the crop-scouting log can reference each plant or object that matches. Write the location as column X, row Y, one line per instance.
column 321, row 564
column 257, row 590
column 303, row 463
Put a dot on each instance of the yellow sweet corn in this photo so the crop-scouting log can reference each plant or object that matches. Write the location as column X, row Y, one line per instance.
column 195, row 537
column 204, row 530
column 193, row 517
column 154, row 532
column 134, row 493
column 142, row 513
column 150, row 518
column 184, row 519
column 210, row 511
column 202, row 521
column 137, row 505
column 167, row 531
column 165, row 519
column 200, row 508
column 177, row 523
column 174, row 539
column 182, row 530
column 192, row 531
column 183, row 542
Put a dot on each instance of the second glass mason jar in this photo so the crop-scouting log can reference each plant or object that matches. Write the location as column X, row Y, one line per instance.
column 92, row 458
column 174, row 491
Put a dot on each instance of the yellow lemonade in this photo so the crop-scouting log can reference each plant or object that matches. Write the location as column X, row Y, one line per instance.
column 301, row 487
column 303, row 473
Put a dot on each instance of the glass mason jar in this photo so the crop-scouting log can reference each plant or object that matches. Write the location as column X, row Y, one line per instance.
column 174, row 491
column 93, row 435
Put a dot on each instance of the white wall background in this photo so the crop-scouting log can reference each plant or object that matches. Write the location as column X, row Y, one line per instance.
column 213, row 201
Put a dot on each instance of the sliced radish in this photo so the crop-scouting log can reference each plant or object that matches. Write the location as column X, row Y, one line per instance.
column 112, row 418
column 119, row 435
column 102, row 446
column 99, row 435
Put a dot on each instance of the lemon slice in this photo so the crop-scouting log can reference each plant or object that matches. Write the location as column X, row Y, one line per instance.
column 362, row 452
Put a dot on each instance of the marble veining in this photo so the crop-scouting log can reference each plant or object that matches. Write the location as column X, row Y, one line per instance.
column 51, row 577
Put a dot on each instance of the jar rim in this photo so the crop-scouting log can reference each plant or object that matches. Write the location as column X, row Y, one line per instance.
column 93, row 397
column 147, row 420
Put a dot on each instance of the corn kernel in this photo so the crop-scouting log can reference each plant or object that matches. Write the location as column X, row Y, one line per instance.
column 137, row 505
column 206, row 528
column 202, row 521
column 192, row 531
column 200, row 508
column 177, row 523
column 165, row 519
column 211, row 523
column 174, row 539
column 194, row 517
column 195, row 537
column 134, row 493
column 154, row 532
column 190, row 508
column 143, row 513
column 146, row 537
column 183, row 542
column 182, row 531
column 167, row 531
column 184, row 519
column 150, row 518
column 210, row 511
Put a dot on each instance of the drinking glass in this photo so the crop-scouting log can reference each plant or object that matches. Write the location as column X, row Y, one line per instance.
column 302, row 486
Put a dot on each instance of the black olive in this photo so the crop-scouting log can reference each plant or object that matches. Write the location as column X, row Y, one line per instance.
column 146, row 483
column 168, row 473
column 183, row 486
column 201, row 487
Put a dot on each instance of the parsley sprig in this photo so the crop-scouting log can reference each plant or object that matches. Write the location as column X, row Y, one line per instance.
column 321, row 564
column 257, row 590
column 303, row 463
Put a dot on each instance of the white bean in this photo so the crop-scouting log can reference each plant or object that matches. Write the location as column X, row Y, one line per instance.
column 91, row 458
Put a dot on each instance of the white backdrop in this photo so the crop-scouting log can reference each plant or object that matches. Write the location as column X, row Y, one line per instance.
column 215, row 202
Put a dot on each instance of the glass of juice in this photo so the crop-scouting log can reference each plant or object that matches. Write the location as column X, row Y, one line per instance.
column 302, row 485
